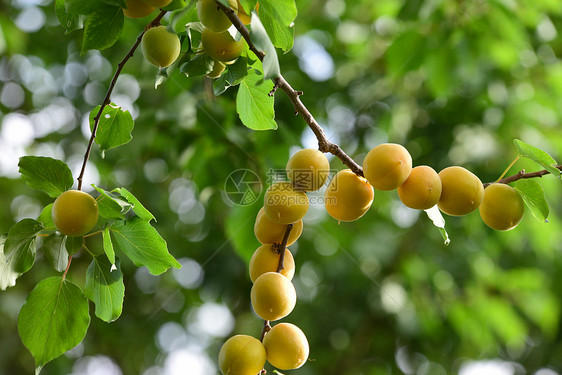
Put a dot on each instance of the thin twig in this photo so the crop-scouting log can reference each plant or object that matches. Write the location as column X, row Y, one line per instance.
column 522, row 175
column 107, row 99
column 282, row 247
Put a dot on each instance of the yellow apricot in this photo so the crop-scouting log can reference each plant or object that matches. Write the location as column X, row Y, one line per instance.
column 283, row 204
column 158, row 3
column 308, row 169
column 502, row 207
column 461, row 192
column 266, row 259
column 273, row 296
column 218, row 68
column 221, row 46
column 137, row 9
column 387, row 166
column 245, row 17
column 269, row 232
column 160, row 47
column 75, row 213
column 422, row 189
column 286, row 346
column 242, row 355
column 212, row 17
column 348, row 196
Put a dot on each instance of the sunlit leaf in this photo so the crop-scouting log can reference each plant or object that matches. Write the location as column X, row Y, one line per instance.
column 114, row 128
column 105, row 288
column 533, row 196
column 537, row 155
column 253, row 103
column 49, row 175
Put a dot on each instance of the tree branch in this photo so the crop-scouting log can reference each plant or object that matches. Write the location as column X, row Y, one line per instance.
column 107, row 99
column 522, row 175
column 324, row 144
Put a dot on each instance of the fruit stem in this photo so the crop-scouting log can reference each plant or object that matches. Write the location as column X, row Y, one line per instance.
column 67, row 267
column 107, row 99
column 282, row 248
column 508, row 168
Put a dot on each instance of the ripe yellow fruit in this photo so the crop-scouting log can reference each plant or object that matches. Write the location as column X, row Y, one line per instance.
column 160, row 47
column 273, row 296
column 268, row 232
column 286, row 346
column 308, row 169
column 75, row 213
column 387, row 166
column 266, row 259
column 502, row 207
column 218, row 68
column 221, row 46
column 137, row 9
column 212, row 17
column 422, row 189
column 461, row 193
column 283, row 204
column 348, row 196
column 242, row 355
column 245, row 17
column 158, row 3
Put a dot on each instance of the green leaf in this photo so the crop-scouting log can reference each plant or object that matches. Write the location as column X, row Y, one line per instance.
column 69, row 20
column 49, row 175
column 232, row 76
column 178, row 4
column 248, row 5
column 437, row 219
column 277, row 17
column 143, row 245
column 8, row 276
column 74, row 244
column 82, row 6
column 138, row 208
column 102, row 28
column 111, row 207
column 108, row 245
column 115, row 127
column 20, row 246
column 537, row 155
column 54, row 248
column 105, row 288
column 46, row 217
column 253, row 103
column 244, row 242
column 117, row 3
column 262, row 42
column 199, row 65
column 533, row 196
column 180, row 17
column 53, row 320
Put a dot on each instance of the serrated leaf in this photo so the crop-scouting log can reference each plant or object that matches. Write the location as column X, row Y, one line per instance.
column 102, row 28
column 232, row 76
column 533, row 196
column 437, row 219
column 20, row 246
column 105, row 288
column 53, row 320
column 199, row 65
column 277, row 17
column 262, row 42
column 73, row 244
column 108, row 245
column 115, row 127
column 111, row 207
column 138, row 208
column 253, row 103
column 8, row 276
column 54, row 248
column 69, row 20
column 141, row 243
column 82, row 6
column 46, row 217
column 49, row 175
column 537, row 155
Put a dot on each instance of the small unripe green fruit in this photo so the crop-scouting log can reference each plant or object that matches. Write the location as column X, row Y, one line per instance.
column 348, row 196
column 286, row 346
column 158, row 3
column 75, row 213
column 212, row 17
column 502, row 207
column 422, row 189
column 218, row 68
column 387, row 166
column 308, row 169
column 242, row 355
column 137, row 9
column 273, row 296
column 266, row 259
column 160, row 47
column 221, row 46
column 283, row 204
column 461, row 192
column 269, row 232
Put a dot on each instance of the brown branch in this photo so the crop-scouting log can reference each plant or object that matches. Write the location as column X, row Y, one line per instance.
column 107, row 100
column 324, row 144
column 282, row 247
column 522, row 175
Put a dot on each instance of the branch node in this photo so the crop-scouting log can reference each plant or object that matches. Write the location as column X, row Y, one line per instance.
column 299, row 93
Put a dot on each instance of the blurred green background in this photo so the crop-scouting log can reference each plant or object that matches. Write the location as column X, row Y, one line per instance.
column 453, row 81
